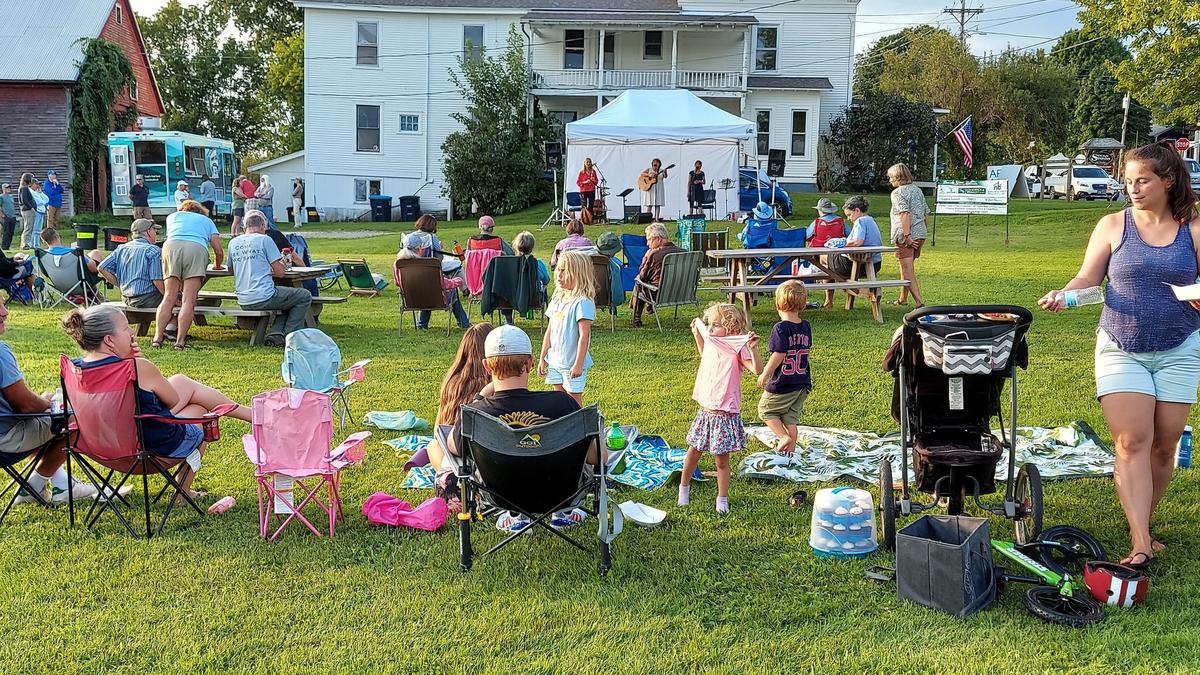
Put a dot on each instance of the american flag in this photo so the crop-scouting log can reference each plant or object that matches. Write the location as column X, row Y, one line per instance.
column 962, row 134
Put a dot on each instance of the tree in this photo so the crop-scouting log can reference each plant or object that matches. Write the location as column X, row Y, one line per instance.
column 285, row 79
column 869, row 66
column 495, row 160
column 208, row 80
column 1027, row 100
column 868, row 138
column 275, row 32
column 1166, row 52
column 104, row 73
column 1097, row 112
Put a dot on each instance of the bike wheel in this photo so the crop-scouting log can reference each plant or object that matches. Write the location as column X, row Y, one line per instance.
column 887, row 505
column 1046, row 603
column 1028, row 494
column 1083, row 547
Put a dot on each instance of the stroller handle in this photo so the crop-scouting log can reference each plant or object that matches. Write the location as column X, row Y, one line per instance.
column 1024, row 316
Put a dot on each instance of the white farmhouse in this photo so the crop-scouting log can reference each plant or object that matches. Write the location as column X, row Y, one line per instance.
column 378, row 94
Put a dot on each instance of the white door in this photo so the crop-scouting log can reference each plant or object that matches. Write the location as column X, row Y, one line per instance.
column 118, row 156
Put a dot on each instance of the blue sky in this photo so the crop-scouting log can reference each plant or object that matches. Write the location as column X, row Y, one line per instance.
column 1004, row 23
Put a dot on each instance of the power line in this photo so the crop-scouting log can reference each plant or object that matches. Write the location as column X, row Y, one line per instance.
column 963, row 15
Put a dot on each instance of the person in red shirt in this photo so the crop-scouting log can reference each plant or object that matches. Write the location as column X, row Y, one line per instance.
column 587, row 183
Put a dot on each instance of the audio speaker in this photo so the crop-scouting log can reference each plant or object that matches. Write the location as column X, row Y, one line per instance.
column 554, row 157
column 775, row 162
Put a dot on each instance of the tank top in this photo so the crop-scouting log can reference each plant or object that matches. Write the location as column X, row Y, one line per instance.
column 160, row 438
column 1141, row 313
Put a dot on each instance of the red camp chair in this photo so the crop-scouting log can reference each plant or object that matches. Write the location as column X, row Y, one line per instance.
column 106, row 426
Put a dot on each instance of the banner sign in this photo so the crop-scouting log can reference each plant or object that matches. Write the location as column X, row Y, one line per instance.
column 986, row 197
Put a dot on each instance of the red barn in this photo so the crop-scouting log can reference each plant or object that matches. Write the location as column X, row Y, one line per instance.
column 42, row 48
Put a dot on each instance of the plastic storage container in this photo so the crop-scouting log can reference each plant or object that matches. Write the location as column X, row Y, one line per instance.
column 843, row 523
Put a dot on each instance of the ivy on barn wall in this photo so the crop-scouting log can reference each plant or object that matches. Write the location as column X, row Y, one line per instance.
column 104, row 73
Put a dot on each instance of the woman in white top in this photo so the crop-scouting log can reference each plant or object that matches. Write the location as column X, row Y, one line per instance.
column 654, row 198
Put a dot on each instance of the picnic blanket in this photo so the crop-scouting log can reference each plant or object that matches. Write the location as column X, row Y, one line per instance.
column 1072, row 451
column 403, row 420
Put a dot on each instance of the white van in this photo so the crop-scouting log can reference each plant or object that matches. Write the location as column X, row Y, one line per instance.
column 1087, row 182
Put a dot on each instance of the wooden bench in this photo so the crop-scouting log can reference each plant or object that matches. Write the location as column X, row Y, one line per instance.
column 260, row 319
column 215, row 298
column 852, row 288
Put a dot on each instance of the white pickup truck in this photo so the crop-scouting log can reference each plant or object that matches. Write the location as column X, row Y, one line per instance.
column 1087, row 182
column 1194, row 169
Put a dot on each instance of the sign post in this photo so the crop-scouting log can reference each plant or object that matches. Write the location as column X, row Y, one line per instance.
column 974, row 197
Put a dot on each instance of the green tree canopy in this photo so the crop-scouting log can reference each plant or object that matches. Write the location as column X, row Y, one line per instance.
column 1097, row 109
column 869, row 66
column 868, row 138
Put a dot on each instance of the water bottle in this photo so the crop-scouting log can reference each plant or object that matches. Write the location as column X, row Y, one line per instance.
column 458, row 250
column 1083, row 296
column 615, row 438
column 1183, row 451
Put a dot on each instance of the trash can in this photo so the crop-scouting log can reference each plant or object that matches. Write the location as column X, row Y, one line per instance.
column 381, row 208
column 114, row 237
column 410, row 208
column 311, row 214
column 85, row 235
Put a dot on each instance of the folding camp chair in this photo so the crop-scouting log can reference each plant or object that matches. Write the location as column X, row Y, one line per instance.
column 108, row 421
column 633, row 248
column 534, row 471
column 602, row 267
column 19, row 475
column 572, row 206
column 289, row 446
column 475, row 262
column 358, row 277
column 712, row 240
column 419, row 287
column 678, row 285
column 709, row 203
column 313, row 361
column 524, row 270
column 792, row 238
column 67, row 279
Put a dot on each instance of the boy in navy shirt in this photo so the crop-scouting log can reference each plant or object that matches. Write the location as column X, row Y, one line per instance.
column 785, row 378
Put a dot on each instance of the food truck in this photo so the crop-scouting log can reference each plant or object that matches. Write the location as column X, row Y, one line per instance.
column 163, row 158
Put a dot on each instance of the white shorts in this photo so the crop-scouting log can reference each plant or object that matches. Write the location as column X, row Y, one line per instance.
column 563, row 377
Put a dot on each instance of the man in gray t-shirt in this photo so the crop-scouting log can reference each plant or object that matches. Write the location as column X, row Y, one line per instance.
column 255, row 261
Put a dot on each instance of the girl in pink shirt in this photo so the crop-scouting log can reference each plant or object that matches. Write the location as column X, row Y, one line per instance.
column 726, row 350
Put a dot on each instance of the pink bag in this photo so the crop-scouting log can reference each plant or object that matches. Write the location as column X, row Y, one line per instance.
column 384, row 509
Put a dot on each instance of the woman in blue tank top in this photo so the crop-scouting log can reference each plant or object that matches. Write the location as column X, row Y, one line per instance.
column 1147, row 357
column 104, row 335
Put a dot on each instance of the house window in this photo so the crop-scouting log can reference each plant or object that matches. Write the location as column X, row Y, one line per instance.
column 473, row 43
column 133, row 92
column 557, row 121
column 368, row 44
column 365, row 188
column 410, row 124
column 766, row 47
column 117, row 13
column 573, row 50
column 799, row 133
column 610, row 52
column 762, row 123
column 652, row 45
column 366, row 124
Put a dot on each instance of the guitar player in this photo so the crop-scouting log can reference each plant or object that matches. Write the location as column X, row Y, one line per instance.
column 654, row 195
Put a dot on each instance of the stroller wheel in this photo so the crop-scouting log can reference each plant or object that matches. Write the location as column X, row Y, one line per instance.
column 887, row 505
column 1028, row 494
column 1077, row 611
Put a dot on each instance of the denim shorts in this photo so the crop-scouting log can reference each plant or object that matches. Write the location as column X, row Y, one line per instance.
column 1170, row 376
column 563, row 377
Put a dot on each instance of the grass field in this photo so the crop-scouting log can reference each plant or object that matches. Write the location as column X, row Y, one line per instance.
column 739, row 593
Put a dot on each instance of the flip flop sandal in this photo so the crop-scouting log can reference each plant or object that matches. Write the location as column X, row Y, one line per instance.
column 1143, row 565
column 156, row 344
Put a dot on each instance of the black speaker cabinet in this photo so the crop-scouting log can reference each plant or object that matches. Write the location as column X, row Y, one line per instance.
column 775, row 162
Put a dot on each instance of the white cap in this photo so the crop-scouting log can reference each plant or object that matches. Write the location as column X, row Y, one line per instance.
column 507, row 341
column 1188, row 428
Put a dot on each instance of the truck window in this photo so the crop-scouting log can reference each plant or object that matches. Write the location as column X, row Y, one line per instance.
column 149, row 152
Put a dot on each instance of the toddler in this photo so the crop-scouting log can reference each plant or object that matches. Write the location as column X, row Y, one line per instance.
column 726, row 349
column 786, row 379
column 565, row 359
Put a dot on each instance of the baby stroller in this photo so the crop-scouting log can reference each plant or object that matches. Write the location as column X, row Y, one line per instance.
column 950, row 364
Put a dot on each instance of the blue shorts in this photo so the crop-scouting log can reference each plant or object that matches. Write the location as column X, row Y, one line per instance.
column 563, row 377
column 193, row 437
column 1170, row 376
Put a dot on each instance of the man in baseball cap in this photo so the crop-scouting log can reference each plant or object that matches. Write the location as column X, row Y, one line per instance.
column 508, row 358
column 485, row 238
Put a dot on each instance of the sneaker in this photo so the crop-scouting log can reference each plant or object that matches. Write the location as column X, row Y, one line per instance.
column 274, row 340
column 511, row 522
column 24, row 497
column 565, row 519
column 79, row 490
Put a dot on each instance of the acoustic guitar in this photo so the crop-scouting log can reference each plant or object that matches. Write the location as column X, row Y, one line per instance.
column 646, row 182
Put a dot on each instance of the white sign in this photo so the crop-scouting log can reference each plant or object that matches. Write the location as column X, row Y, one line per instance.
column 988, row 197
column 1017, row 186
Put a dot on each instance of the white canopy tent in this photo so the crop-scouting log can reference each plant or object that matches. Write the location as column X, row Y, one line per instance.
column 672, row 125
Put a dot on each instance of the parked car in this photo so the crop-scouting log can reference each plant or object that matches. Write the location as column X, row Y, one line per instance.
column 1194, row 170
column 1087, row 182
column 754, row 186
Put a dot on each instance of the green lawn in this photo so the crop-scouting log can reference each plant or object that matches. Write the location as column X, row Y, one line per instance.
column 740, row 593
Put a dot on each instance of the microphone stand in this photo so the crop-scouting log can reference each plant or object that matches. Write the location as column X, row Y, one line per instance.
column 603, row 191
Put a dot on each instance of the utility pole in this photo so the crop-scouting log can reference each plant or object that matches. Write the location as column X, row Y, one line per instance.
column 1121, row 153
column 962, row 15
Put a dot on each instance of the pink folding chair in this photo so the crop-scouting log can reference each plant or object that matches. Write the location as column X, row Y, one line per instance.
column 106, row 428
column 289, row 446
column 476, row 262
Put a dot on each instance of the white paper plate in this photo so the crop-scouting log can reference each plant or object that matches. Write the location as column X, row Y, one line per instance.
column 646, row 516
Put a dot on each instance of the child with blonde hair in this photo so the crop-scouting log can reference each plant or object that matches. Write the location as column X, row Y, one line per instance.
column 565, row 359
column 786, row 379
column 726, row 349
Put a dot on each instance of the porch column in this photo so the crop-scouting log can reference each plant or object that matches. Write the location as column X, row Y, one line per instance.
column 600, row 60
column 747, row 36
column 532, row 76
column 674, row 57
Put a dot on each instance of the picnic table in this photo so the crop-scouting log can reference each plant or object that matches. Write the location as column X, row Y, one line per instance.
column 744, row 285
column 293, row 276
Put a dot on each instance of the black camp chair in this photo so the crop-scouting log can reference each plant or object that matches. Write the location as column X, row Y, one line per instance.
column 19, row 474
column 533, row 471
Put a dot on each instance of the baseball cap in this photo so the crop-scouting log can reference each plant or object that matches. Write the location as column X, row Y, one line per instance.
column 144, row 225
column 609, row 244
column 487, row 222
column 50, row 172
column 182, row 183
column 825, row 205
column 507, row 341
column 4, row 185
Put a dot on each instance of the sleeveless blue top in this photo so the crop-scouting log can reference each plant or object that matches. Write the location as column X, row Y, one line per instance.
column 1141, row 313
column 160, row 438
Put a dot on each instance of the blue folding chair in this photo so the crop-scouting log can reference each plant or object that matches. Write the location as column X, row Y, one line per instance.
column 634, row 248
column 787, row 239
column 574, row 204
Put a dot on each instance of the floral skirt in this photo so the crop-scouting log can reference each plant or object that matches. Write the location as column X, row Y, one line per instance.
column 716, row 432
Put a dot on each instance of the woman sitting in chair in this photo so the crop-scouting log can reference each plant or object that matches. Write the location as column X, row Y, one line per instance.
column 105, row 337
column 466, row 380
